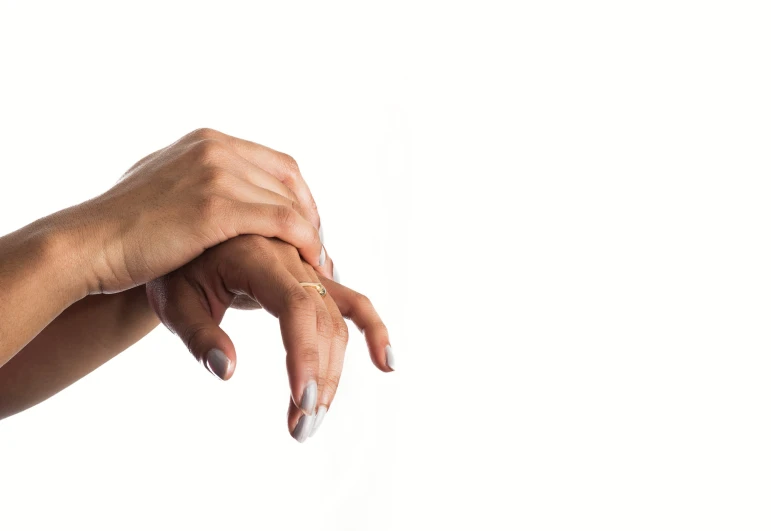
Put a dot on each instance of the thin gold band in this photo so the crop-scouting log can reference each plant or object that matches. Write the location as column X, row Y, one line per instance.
column 318, row 286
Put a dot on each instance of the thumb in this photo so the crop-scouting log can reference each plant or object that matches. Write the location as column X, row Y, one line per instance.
column 185, row 311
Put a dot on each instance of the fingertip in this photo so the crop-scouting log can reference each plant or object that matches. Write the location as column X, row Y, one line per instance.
column 302, row 430
column 390, row 361
column 310, row 396
column 300, row 425
column 219, row 364
column 318, row 420
column 322, row 256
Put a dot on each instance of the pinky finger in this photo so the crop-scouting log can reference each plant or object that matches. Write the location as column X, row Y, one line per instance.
column 359, row 309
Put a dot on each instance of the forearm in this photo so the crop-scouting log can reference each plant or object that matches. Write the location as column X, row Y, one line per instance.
column 85, row 336
column 40, row 276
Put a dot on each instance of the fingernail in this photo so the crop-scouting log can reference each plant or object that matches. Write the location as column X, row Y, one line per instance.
column 321, row 233
column 217, row 363
column 390, row 357
column 335, row 274
column 319, row 419
column 303, row 428
column 323, row 256
column 308, row 404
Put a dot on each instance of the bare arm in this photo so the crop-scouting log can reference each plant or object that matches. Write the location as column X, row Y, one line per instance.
column 39, row 278
column 86, row 335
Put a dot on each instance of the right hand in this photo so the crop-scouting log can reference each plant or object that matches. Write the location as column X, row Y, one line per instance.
column 181, row 200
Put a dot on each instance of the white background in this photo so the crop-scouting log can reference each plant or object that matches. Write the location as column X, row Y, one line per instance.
column 561, row 209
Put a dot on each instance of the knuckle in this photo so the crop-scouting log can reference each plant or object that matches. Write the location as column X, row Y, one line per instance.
column 331, row 383
column 289, row 166
column 214, row 179
column 362, row 301
column 340, row 330
column 191, row 335
column 297, row 300
column 211, row 206
column 324, row 325
column 285, row 216
column 208, row 151
column 203, row 133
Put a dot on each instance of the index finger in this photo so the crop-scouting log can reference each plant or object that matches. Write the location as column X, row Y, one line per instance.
column 283, row 167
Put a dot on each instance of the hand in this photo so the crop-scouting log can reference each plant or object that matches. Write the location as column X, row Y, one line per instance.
column 177, row 202
column 252, row 272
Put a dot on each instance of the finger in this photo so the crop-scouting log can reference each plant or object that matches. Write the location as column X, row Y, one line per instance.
column 359, row 309
column 324, row 327
column 282, row 168
column 259, row 177
column 270, row 220
column 269, row 282
column 286, row 170
column 303, row 272
column 195, row 318
column 281, row 165
column 300, row 425
column 335, row 364
column 243, row 190
column 324, row 322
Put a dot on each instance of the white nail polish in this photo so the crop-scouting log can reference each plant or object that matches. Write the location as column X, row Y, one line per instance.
column 323, row 256
column 308, row 403
column 390, row 357
column 217, row 363
column 319, row 419
column 303, row 428
column 321, row 233
column 335, row 274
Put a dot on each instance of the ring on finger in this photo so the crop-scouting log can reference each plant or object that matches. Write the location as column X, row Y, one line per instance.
column 318, row 286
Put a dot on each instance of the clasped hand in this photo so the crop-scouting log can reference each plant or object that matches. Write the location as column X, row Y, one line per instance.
column 207, row 223
column 253, row 271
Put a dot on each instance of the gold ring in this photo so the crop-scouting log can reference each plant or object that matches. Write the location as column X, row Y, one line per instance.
column 318, row 286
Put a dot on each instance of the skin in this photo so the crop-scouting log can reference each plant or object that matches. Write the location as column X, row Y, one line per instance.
column 85, row 266
column 251, row 272
column 168, row 209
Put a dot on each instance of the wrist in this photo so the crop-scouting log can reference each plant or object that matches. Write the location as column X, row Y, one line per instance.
column 65, row 248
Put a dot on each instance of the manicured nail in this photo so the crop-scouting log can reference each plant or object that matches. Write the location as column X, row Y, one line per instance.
column 335, row 274
column 321, row 233
column 303, row 428
column 323, row 256
column 308, row 404
column 319, row 419
column 390, row 358
column 217, row 363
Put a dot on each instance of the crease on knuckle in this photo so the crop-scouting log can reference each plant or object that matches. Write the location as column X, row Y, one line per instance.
column 285, row 216
column 340, row 331
column 297, row 300
column 330, row 383
column 190, row 335
column 324, row 325
column 362, row 302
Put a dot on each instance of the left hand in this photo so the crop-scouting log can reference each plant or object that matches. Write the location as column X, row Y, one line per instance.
column 252, row 271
